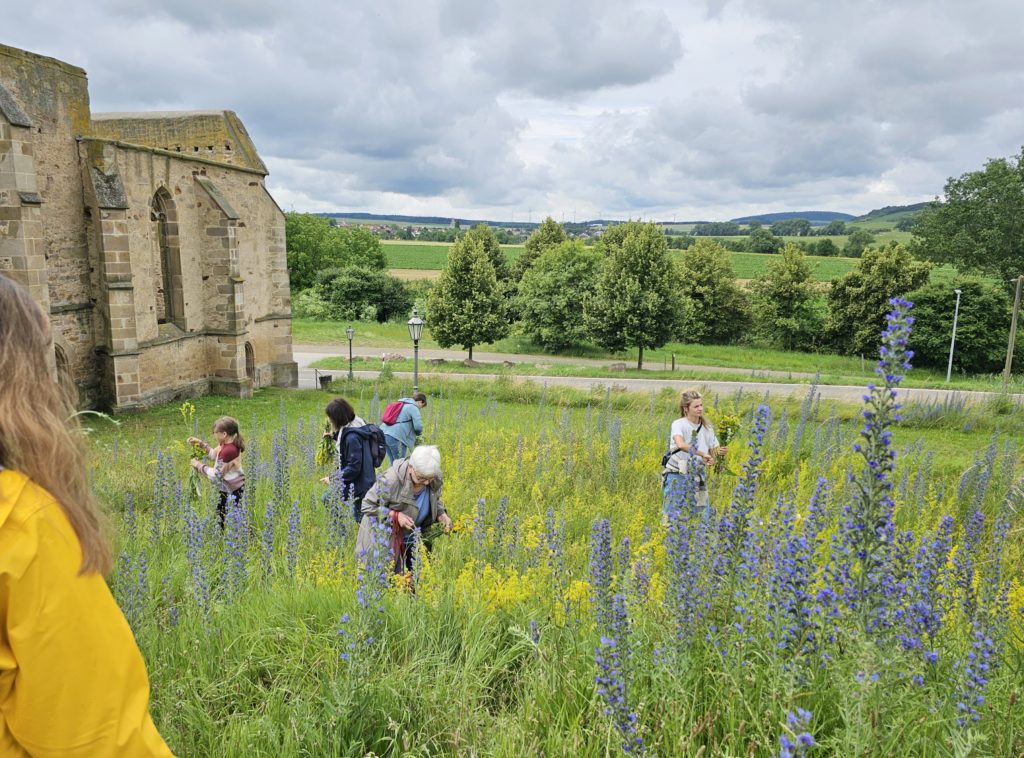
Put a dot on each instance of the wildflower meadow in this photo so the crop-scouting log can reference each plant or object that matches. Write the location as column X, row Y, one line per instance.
column 856, row 589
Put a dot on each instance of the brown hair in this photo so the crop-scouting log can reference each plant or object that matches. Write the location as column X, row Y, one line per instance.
column 39, row 433
column 687, row 397
column 229, row 425
column 340, row 412
column 419, row 397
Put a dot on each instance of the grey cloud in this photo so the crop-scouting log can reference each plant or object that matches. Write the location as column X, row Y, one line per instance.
column 552, row 49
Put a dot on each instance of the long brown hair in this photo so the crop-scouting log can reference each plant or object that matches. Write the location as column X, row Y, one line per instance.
column 38, row 434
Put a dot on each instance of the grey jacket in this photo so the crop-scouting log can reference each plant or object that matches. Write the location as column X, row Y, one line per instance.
column 393, row 491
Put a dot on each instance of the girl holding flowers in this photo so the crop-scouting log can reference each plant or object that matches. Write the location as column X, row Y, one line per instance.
column 226, row 473
column 692, row 447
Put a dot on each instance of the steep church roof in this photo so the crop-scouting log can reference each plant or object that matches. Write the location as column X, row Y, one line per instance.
column 213, row 134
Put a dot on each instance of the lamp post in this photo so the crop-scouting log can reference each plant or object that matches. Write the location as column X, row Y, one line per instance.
column 415, row 331
column 351, row 333
column 952, row 342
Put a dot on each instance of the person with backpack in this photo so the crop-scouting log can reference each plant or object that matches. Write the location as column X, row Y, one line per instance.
column 401, row 423
column 693, row 446
column 355, row 442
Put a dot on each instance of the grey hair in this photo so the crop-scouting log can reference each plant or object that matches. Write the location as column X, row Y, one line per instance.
column 426, row 461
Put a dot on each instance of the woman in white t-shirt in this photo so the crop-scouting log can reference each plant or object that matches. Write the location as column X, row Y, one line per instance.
column 693, row 435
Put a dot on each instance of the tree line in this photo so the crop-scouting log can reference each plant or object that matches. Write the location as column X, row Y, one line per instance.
column 628, row 292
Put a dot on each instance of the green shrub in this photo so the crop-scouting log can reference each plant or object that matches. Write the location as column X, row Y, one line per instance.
column 982, row 328
column 309, row 304
column 356, row 293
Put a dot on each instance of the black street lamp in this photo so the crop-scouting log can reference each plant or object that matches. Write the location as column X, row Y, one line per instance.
column 415, row 331
column 351, row 333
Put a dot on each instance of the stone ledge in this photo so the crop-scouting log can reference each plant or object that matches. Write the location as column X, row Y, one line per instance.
column 30, row 198
column 70, row 308
column 273, row 317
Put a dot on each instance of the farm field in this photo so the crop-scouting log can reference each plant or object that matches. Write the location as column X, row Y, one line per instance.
column 432, row 256
column 566, row 614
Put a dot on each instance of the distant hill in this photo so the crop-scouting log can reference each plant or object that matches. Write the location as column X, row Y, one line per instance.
column 431, row 220
column 894, row 212
column 815, row 217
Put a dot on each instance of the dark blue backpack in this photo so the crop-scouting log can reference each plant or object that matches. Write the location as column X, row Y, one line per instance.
column 375, row 441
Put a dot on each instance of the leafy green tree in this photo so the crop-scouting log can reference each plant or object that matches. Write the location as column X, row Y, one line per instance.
column 834, row 228
column 982, row 329
column 553, row 293
column 548, row 234
column 636, row 302
column 467, row 307
column 791, row 227
column 787, row 309
column 311, row 247
column 487, row 238
column 718, row 311
column 361, row 248
column 826, row 247
column 718, row 229
column 859, row 300
column 763, row 241
column 358, row 293
column 857, row 243
column 313, row 244
column 980, row 226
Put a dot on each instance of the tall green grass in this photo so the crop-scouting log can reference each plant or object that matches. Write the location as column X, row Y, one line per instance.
column 494, row 654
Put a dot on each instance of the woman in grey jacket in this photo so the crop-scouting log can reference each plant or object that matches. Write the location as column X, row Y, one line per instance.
column 409, row 495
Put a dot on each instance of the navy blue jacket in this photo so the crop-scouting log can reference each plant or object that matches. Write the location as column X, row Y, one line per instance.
column 355, row 462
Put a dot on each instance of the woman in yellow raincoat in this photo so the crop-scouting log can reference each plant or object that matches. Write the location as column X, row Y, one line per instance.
column 72, row 680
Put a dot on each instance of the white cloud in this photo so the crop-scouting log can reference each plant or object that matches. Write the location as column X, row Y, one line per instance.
column 603, row 108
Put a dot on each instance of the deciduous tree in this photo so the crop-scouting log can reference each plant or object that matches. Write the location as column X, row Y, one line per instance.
column 548, row 234
column 788, row 311
column 859, row 301
column 313, row 245
column 553, row 294
column 980, row 226
column 636, row 302
column 467, row 307
column 718, row 311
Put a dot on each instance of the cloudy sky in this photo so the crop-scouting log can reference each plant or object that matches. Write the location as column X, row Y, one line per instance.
column 517, row 109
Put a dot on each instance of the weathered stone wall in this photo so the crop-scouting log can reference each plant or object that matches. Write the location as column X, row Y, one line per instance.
column 227, row 241
column 77, row 226
column 55, row 96
column 177, row 368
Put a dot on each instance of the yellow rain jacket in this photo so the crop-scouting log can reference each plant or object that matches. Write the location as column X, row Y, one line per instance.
column 72, row 680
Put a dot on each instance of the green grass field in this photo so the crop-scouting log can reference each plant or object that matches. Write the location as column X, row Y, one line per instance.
column 570, row 611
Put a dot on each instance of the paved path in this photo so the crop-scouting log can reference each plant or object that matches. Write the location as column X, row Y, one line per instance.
column 307, row 354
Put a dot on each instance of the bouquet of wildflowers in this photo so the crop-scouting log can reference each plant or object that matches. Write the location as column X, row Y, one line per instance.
column 197, row 453
column 726, row 426
column 325, row 450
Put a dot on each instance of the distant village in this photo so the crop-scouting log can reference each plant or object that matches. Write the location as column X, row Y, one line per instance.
column 509, row 234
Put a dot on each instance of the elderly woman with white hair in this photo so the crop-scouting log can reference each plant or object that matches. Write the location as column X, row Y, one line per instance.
column 409, row 495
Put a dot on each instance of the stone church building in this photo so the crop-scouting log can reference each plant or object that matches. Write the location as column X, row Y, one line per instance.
column 150, row 238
